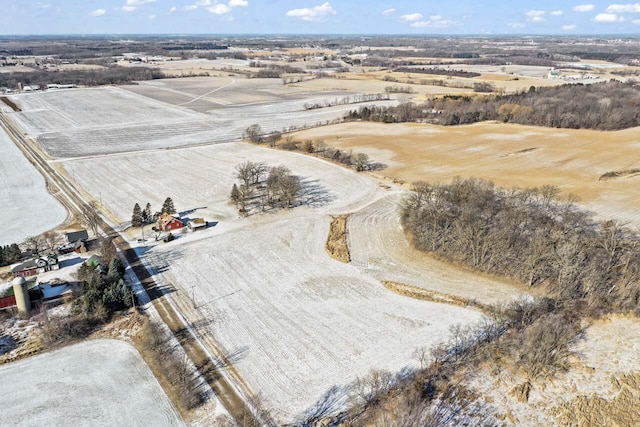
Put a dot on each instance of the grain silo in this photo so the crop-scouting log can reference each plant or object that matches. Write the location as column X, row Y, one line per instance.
column 23, row 302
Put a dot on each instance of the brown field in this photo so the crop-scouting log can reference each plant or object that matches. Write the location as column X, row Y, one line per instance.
column 510, row 155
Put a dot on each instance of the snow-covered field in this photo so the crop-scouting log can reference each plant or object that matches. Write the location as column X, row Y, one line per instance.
column 27, row 208
column 100, row 382
column 298, row 321
column 202, row 177
column 80, row 122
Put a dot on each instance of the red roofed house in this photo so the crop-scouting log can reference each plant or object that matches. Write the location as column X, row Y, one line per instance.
column 167, row 222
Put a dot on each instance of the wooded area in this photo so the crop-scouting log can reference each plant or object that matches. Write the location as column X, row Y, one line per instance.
column 531, row 236
column 604, row 106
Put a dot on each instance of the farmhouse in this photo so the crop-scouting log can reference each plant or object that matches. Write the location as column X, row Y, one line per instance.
column 35, row 266
column 197, row 224
column 168, row 222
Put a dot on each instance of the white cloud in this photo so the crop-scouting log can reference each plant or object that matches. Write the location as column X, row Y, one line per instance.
column 388, row 11
column 411, row 17
column 556, row 12
column 139, row 2
column 535, row 15
column 238, row 3
column 152, row 17
column 606, row 17
column 516, row 25
column 435, row 21
column 173, row 9
column 624, row 8
column 98, row 12
column 569, row 27
column 203, row 3
column 43, row 5
column 317, row 13
column 636, row 21
column 584, row 8
column 131, row 5
column 219, row 9
column 190, row 7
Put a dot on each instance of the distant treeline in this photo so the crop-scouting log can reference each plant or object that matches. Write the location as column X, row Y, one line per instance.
column 438, row 72
column 530, row 236
column 603, row 106
column 105, row 76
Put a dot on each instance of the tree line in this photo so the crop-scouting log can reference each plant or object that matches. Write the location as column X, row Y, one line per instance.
column 111, row 75
column 604, row 106
column 359, row 161
column 438, row 71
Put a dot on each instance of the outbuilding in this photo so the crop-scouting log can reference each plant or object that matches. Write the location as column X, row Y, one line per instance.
column 197, row 224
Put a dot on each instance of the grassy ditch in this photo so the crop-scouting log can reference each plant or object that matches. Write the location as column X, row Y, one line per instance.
column 337, row 246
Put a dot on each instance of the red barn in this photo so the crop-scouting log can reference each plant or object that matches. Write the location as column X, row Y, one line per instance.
column 167, row 222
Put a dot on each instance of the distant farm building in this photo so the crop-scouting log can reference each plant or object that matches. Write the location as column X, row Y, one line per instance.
column 35, row 266
column 75, row 236
column 76, row 242
column 168, row 222
column 197, row 224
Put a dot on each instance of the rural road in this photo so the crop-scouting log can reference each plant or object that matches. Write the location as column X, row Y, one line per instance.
column 225, row 391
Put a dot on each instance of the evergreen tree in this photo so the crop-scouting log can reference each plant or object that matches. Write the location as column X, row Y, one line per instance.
column 168, row 207
column 147, row 215
column 3, row 258
column 136, row 218
column 116, row 269
column 13, row 253
column 235, row 194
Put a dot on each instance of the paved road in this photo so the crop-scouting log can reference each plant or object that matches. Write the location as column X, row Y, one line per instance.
column 192, row 345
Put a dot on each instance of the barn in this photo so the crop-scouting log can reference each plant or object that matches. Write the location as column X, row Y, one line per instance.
column 35, row 266
column 168, row 222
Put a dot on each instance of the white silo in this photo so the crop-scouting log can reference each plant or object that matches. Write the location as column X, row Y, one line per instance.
column 23, row 302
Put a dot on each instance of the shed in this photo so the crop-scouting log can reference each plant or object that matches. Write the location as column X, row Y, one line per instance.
column 196, row 224
column 77, row 236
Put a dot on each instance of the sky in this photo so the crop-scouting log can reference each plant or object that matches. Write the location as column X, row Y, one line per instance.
column 23, row 17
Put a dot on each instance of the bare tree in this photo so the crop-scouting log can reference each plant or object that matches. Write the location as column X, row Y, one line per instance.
column 254, row 134
column 91, row 217
column 35, row 244
column 257, row 171
column 243, row 173
column 361, row 162
column 51, row 240
column 273, row 138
